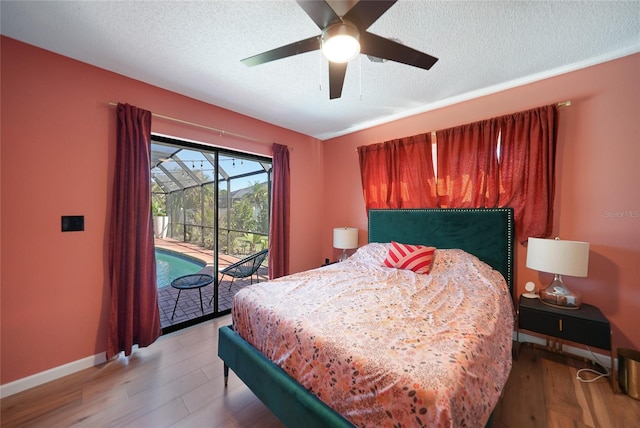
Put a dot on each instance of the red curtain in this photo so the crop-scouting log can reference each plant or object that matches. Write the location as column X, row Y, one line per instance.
column 134, row 315
column 507, row 161
column 527, row 169
column 279, row 220
column 467, row 166
column 398, row 173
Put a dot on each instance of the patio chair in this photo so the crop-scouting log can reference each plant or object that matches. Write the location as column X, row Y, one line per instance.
column 245, row 268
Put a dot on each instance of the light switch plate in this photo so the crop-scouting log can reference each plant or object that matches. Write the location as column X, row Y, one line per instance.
column 72, row 223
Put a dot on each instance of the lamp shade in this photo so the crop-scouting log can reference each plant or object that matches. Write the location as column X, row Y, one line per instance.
column 558, row 257
column 345, row 238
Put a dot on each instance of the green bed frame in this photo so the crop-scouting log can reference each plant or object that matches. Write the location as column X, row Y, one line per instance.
column 486, row 233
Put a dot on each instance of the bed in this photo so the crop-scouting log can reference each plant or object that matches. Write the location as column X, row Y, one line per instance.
column 396, row 386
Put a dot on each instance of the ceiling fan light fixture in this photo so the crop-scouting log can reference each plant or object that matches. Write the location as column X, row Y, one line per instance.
column 340, row 42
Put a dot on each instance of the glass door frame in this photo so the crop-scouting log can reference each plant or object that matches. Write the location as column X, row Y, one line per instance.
column 171, row 182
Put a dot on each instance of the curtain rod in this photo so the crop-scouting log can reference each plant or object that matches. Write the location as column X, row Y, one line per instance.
column 219, row 131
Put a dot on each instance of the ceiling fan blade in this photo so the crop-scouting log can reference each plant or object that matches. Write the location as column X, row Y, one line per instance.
column 365, row 13
column 319, row 11
column 301, row 46
column 336, row 79
column 379, row 47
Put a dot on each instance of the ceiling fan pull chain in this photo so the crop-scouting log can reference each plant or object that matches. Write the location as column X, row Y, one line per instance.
column 320, row 67
column 360, row 72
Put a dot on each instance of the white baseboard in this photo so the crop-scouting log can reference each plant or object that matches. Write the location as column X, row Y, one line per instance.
column 51, row 374
column 602, row 359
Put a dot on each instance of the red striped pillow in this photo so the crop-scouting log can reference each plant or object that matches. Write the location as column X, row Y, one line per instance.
column 417, row 258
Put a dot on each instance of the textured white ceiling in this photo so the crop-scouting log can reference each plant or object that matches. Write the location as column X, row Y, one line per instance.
column 195, row 48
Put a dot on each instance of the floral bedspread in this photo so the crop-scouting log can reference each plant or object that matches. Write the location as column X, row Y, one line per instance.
column 387, row 347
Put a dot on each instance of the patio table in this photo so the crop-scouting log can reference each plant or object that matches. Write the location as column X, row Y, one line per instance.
column 190, row 282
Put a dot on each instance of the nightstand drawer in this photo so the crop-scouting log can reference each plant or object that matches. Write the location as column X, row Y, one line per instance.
column 566, row 327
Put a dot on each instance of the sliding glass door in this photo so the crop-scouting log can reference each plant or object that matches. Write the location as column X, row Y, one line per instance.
column 215, row 209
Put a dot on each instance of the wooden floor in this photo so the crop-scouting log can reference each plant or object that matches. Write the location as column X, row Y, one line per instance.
column 177, row 382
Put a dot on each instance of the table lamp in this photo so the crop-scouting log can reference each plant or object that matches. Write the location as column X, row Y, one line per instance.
column 345, row 238
column 559, row 257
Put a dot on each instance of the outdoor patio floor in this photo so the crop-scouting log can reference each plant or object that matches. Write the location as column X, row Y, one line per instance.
column 188, row 307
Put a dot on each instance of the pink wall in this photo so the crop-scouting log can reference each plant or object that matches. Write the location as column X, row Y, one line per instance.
column 598, row 177
column 57, row 158
column 58, row 135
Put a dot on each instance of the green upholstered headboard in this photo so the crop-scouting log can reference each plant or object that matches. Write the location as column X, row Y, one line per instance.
column 485, row 233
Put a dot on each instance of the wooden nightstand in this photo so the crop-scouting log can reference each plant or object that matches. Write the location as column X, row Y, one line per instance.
column 586, row 325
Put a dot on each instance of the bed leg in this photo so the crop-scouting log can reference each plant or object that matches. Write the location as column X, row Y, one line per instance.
column 226, row 375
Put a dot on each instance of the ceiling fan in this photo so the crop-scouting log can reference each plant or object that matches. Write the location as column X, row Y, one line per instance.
column 348, row 33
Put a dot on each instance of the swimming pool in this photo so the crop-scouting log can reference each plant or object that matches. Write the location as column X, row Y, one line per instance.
column 170, row 265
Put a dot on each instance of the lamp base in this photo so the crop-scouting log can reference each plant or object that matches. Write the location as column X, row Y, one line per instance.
column 344, row 256
column 559, row 296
